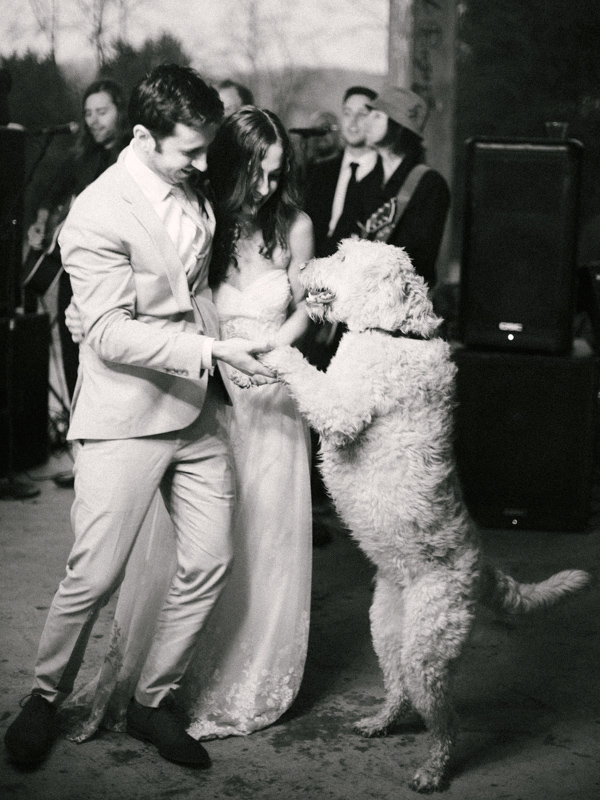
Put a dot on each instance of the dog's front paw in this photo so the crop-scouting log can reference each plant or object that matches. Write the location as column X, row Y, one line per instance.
column 239, row 378
column 281, row 359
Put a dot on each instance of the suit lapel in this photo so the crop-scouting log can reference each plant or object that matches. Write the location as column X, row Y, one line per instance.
column 167, row 257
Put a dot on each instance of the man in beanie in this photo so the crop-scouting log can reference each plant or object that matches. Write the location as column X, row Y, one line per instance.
column 409, row 200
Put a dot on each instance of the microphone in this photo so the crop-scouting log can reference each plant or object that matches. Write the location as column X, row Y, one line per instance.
column 55, row 130
column 322, row 130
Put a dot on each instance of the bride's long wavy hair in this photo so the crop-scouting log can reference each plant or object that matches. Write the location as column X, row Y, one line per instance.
column 234, row 162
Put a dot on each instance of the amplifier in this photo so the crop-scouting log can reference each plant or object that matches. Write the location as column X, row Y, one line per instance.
column 525, row 437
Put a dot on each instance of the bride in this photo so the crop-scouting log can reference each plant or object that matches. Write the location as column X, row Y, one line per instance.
column 250, row 655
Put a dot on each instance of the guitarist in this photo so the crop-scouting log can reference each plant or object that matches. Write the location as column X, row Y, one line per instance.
column 411, row 201
column 102, row 136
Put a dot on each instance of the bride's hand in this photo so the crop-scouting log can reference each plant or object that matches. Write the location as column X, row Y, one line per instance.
column 73, row 322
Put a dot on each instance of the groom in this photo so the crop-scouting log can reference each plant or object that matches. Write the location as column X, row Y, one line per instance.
column 148, row 411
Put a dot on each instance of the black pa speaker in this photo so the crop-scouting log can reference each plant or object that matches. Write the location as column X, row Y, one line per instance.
column 12, row 179
column 24, row 357
column 519, row 259
column 525, row 438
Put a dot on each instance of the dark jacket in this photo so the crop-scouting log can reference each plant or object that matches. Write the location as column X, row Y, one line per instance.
column 321, row 182
column 420, row 229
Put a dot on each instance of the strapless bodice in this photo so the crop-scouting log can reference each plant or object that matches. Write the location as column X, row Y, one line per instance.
column 258, row 309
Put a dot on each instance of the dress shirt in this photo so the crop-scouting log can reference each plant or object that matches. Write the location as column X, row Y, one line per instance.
column 366, row 163
column 190, row 228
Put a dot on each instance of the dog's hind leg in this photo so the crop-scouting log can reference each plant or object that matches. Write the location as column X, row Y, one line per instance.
column 386, row 614
column 438, row 622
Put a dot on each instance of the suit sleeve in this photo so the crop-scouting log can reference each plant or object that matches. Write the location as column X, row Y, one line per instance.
column 104, row 290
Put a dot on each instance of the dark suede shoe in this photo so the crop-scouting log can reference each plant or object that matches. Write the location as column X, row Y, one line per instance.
column 29, row 738
column 165, row 729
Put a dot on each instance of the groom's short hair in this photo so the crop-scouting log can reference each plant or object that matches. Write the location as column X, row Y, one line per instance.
column 172, row 94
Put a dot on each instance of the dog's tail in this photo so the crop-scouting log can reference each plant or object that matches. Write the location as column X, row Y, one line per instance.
column 504, row 594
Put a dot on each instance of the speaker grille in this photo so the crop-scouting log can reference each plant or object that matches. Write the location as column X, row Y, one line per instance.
column 518, row 277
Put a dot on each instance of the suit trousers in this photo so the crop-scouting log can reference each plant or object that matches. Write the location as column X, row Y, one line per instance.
column 115, row 482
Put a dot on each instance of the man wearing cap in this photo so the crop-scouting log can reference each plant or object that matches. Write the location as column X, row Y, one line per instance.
column 409, row 201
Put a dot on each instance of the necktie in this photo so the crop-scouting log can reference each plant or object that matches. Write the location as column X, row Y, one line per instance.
column 352, row 182
column 350, row 212
column 351, row 190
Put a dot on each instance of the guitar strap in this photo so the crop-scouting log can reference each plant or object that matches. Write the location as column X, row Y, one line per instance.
column 381, row 223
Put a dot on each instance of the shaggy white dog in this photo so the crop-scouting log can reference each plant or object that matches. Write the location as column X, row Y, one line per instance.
column 384, row 412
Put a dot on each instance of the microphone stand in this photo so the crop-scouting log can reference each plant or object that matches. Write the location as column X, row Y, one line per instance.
column 304, row 134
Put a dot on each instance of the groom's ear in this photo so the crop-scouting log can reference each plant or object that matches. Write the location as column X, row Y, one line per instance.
column 144, row 139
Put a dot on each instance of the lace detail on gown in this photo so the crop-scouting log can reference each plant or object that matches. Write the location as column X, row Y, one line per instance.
column 249, row 658
column 251, row 653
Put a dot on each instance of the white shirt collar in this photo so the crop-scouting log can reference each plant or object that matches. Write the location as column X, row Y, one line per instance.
column 365, row 162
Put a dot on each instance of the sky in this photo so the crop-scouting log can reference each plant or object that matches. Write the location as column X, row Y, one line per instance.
column 348, row 34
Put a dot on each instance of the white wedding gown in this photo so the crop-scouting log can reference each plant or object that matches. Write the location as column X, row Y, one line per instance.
column 250, row 655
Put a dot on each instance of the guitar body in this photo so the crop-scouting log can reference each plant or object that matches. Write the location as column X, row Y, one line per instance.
column 381, row 224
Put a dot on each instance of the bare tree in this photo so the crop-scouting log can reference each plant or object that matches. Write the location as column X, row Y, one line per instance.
column 125, row 9
column 271, row 42
column 259, row 50
column 128, row 64
column 96, row 15
column 47, row 14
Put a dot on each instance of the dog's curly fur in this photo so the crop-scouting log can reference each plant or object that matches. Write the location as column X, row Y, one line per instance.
column 384, row 411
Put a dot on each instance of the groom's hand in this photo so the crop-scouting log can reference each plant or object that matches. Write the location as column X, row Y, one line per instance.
column 241, row 354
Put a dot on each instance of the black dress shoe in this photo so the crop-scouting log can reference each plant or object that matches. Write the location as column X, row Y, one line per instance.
column 165, row 729
column 29, row 738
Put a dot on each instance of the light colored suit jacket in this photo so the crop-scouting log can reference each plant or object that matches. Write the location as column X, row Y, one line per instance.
column 140, row 364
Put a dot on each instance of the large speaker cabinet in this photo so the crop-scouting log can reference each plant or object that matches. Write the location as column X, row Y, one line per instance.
column 24, row 357
column 12, row 177
column 519, row 270
column 525, row 438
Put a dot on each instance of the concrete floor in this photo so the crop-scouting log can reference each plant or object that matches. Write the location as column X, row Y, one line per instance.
column 528, row 692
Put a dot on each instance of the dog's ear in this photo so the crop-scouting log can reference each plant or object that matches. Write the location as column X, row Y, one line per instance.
column 395, row 296
column 375, row 269
column 414, row 309
column 417, row 309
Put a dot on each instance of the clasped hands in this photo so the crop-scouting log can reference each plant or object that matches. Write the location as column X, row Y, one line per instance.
column 245, row 370
column 242, row 358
